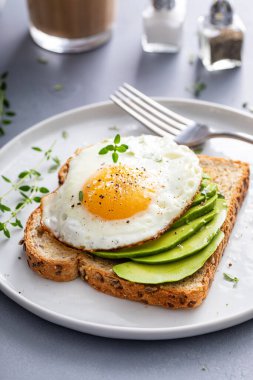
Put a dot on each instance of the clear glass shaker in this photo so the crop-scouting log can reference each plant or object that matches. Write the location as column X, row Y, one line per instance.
column 221, row 36
column 163, row 26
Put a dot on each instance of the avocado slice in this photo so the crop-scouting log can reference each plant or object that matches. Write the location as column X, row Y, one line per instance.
column 195, row 243
column 171, row 272
column 207, row 192
column 167, row 241
column 195, row 212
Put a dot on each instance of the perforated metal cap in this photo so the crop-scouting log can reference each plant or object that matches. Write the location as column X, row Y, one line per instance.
column 221, row 13
column 164, row 4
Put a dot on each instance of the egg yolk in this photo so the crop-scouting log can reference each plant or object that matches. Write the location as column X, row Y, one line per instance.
column 117, row 192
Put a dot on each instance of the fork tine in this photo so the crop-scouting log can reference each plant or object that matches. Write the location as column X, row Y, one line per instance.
column 158, row 123
column 151, row 110
column 163, row 109
column 137, row 116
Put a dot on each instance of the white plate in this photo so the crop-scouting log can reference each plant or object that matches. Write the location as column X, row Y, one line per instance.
column 78, row 306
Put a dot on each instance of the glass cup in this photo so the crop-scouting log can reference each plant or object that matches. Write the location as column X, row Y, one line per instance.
column 71, row 26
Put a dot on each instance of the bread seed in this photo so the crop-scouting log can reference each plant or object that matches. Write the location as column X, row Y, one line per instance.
column 99, row 277
column 116, row 284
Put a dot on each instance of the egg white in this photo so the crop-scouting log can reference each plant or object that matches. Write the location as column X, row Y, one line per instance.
column 173, row 170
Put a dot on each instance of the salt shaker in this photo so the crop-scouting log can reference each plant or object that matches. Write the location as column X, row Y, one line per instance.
column 163, row 26
column 221, row 36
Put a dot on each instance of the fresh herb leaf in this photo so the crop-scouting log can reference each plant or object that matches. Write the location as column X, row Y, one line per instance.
column 24, row 195
column 109, row 148
column 18, row 223
column 53, row 168
column 4, row 105
column 19, row 205
column 42, row 60
column 25, row 188
column 4, row 75
column 44, row 190
column 4, row 208
column 37, row 149
column 6, row 122
column 230, row 278
column 103, row 150
column 65, row 135
column 57, row 161
column 114, row 148
column 80, row 196
column 37, row 199
column 121, row 149
column 197, row 88
column 115, row 157
column 117, row 139
column 7, row 232
column 56, row 165
column 10, row 113
column 58, row 87
column 23, row 174
column 35, row 173
column 3, row 86
column 6, row 179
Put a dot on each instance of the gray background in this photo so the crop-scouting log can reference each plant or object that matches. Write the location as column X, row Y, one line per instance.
column 31, row 348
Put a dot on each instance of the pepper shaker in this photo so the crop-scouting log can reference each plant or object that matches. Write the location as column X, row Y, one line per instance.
column 221, row 36
column 163, row 26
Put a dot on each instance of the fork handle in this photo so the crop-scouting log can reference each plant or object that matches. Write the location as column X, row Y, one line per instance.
column 238, row 136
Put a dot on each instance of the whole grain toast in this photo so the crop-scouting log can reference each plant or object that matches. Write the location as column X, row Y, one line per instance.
column 55, row 261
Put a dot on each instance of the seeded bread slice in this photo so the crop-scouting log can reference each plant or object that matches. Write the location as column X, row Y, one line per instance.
column 54, row 260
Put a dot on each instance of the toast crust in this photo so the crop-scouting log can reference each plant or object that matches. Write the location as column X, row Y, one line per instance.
column 232, row 178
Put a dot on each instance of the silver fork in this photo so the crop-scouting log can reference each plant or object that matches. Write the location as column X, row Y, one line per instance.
column 163, row 121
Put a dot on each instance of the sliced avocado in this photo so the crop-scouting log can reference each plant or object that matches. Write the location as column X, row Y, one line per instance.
column 195, row 243
column 167, row 241
column 171, row 272
column 195, row 212
column 207, row 192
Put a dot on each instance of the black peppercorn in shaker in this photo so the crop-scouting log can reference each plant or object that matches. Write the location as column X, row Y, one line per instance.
column 221, row 35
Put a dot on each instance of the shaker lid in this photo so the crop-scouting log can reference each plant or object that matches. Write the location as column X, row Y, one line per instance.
column 221, row 13
column 164, row 4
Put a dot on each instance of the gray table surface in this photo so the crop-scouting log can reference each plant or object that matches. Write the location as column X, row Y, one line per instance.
column 31, row 348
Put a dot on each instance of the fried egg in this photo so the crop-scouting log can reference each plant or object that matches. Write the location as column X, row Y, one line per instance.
column 104, row 205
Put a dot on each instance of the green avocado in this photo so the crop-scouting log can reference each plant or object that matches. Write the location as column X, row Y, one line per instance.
column 167, row 241
column 195, row 212
column 206, row 192
column 195, row 243
column 171, row 272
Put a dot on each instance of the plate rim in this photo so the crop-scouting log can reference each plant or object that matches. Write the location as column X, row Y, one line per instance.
column 121, row 332
column 133, row 333
column 38, row 125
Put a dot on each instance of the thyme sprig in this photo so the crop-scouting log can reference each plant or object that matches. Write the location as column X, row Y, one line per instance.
column 230, row 278
column 5, row 113
column 197, row 88
column 115, row 149
column 28, row 189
